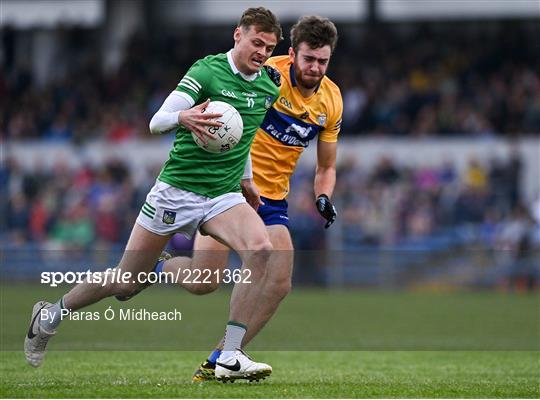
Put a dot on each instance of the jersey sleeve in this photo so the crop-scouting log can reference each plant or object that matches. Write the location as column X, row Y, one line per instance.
column 333, row 125
column 195, row 81
column 271, row 62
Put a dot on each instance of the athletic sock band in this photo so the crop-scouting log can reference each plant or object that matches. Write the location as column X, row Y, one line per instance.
column 238, row 324
column 234, row 333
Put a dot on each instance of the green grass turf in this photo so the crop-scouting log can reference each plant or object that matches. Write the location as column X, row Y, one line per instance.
column 308, row 320
column 296, row 374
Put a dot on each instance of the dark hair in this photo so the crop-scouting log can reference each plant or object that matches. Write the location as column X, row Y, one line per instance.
column 315, row 31
column 262, row 19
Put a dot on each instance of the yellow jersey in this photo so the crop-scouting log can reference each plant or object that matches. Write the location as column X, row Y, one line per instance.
column 288, row 127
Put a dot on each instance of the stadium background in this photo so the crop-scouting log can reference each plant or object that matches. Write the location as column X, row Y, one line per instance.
column 438, row 189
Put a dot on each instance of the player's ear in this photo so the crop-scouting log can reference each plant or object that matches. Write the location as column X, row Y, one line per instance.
column 237, row 34
column 291, row 54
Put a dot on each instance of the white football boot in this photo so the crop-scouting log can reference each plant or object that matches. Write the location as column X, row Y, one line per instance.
column 240, row 366
column 36, row 339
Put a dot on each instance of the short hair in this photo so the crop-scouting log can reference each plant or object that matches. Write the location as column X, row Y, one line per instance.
column 315, row 31
column 263, row 20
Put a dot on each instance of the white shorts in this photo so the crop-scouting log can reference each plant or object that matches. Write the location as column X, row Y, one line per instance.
column 170, row 210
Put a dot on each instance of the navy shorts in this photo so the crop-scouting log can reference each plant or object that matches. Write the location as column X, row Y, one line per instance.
column 274, row 212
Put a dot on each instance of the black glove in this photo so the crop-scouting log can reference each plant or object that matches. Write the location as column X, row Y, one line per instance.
column 326, row 209
column 273, row 74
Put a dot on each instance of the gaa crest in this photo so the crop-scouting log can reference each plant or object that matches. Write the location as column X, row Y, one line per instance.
column 169, row 217
column 268, row 102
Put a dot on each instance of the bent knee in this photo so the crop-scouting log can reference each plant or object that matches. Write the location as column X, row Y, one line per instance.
column 280, row 289
column 262, row 248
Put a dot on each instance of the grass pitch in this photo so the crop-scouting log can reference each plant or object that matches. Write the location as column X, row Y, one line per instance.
column 88, row 359
column 157, row 374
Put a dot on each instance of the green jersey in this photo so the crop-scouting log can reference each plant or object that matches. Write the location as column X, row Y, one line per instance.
column 209, row 174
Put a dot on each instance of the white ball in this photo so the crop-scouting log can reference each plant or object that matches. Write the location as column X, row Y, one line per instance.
column 228, row 135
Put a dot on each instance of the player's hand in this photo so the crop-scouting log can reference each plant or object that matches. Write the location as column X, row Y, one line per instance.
column 251, row 193
column 196, row 121
column 326, row 209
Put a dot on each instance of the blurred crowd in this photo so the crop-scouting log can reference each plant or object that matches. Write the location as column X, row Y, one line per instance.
column 392, row 204
column 395, row 80
column 387, row 204
column 65, row 208
column 457, row 78
column 431, row 79
column 397, row 203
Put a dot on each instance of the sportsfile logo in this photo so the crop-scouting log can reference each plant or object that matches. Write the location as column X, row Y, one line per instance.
column 116, row 275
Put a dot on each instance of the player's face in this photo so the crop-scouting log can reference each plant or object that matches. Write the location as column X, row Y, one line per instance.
column 252, row 48
column 310, row 65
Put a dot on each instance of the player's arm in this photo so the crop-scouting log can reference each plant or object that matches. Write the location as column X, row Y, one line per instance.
column 179, row 107
column 249, row 189
column 178, row 110
column 325, row 174
column 325, row 180
column 167, row 118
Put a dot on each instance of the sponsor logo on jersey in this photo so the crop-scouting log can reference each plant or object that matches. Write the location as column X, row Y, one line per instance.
column 285, row 102
column 228, row 93
column 300, row 130
column 286, row 138
column 252, row 94
column 288, row 130
column 169, row 217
